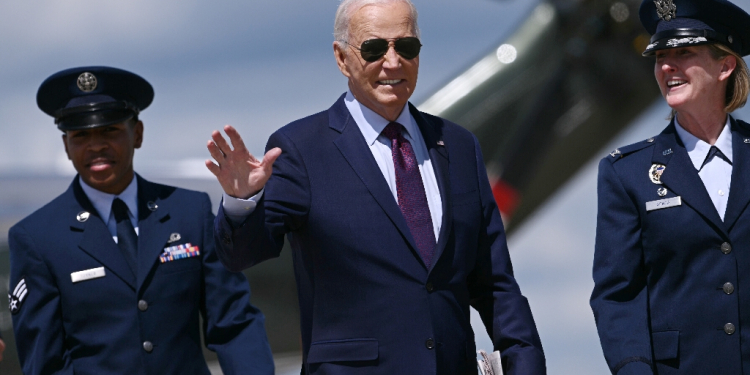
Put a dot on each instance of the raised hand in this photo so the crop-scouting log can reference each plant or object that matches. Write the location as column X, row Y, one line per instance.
column 240, row 174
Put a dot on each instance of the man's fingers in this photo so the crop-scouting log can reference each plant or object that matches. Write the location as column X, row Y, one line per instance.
column 220, row 142
column 235, row 137
column 271, row 156
column 213, row 167
column 215, row 152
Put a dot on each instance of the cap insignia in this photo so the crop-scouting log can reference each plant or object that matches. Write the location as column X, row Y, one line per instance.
column 87, row 82
column 666, row 9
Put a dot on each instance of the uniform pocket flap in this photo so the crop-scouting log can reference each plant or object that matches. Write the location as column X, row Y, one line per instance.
column 343, row 351
column 666, row 345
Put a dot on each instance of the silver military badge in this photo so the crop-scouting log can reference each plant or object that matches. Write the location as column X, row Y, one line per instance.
column 655, row 172
column 666, row 9
column 87, row 82
column 174, row 237
column 15, row 300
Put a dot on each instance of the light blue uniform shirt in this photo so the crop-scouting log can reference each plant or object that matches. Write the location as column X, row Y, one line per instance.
column 717, row 173
column 371, row 125
column 102, row 202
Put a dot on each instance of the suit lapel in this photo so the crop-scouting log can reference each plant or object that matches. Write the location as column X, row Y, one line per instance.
column 738, row 191
column 681, row 177
column 153, row 230
column 353, row 147
column 440, row 163
column 96, row 240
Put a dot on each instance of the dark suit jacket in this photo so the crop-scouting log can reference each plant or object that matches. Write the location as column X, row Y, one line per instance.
column 661, row 298
column 368, row 303
column 100, row 326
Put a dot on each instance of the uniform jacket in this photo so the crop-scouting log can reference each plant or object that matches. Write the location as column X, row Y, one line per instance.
column 107, row 325
column 672, row 285
column 368, row 303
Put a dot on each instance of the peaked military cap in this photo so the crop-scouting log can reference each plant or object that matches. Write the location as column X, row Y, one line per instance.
column 682, row 23
column 93, row 96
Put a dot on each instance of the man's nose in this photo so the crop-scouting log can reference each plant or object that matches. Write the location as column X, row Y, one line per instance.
column 391, row 57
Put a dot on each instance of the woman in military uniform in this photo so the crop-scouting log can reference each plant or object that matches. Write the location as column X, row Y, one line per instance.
column 672, row 261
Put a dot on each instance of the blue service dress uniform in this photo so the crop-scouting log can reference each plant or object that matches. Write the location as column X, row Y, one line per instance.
column 117, row 321
column 672, row 284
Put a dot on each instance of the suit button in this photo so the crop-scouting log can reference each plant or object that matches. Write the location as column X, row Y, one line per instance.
column 148, row 346
column 430, row 287
column 729, row 328
column 726, row 248
column 142, row 305
column 227, row 240
column 728, row 288
column 430, row 344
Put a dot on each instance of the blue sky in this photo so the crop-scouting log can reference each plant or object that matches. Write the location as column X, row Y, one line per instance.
column 260, row 64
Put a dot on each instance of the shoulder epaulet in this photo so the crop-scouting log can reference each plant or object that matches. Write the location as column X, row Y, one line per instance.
column 622, row 152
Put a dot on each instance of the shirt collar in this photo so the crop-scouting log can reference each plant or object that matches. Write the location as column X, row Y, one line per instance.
column 698, row 149
column 372, row 124
column 102, row 201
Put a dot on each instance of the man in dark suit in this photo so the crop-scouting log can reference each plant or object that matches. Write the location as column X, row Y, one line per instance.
column 112, row 276
column 390, row 216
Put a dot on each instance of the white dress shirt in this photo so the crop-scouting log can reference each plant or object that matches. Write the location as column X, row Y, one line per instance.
column 717, row 173
column 102, row 202
column 371, row 125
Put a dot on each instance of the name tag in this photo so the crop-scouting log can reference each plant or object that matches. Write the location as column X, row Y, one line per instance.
column 84, row 275
column 664, row 203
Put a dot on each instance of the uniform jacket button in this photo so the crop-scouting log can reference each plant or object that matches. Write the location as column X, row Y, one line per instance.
column 728, row 288
column 726, row 248
column 430, row 344
column 430, row 287
column 729, row 328
column 227, row 240
column 148, row 346
column 142, row 305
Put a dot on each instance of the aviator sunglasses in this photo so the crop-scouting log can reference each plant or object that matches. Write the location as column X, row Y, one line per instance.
column 373, row 49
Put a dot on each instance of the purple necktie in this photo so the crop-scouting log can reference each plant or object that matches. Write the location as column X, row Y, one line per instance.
column 411, row 196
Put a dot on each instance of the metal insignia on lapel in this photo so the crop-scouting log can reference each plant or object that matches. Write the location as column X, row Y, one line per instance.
column 152, row 206
column 655, row 172
column 747, row 140
column 174, row 237
column 666, row 9
column 661, row 191
column 83, row 216
column 615, row 153
column 441, row 143
column 667, row 152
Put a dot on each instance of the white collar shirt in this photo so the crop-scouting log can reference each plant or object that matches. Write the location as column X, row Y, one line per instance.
column 102, row 202
column 716, row 174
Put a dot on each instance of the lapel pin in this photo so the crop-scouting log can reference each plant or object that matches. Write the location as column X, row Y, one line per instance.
column 661, row 191
column 174, row 237
column 667, row 152
column 441, row 143
column 615, row 153
column 747, row 140
column 83, row 216
column 152, row 206
column 655, row 172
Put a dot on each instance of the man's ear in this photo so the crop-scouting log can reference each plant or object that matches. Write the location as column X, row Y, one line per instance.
column 65, row 143
column 138, row 134
column 339, row 52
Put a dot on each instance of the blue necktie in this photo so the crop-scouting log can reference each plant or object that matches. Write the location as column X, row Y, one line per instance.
column 411, row 195
column 127, row 240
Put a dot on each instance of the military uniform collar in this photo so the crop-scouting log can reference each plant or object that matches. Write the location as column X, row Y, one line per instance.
column 102, row 201
column 698, row 149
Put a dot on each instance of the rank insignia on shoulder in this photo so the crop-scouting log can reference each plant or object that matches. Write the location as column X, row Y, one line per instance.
column 16, row 299
column 179, row 252
column 615, row 153
column 655, row 172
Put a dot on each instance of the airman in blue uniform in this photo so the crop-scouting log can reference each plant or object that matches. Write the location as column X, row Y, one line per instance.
column 113, row 276
column 671, row 268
